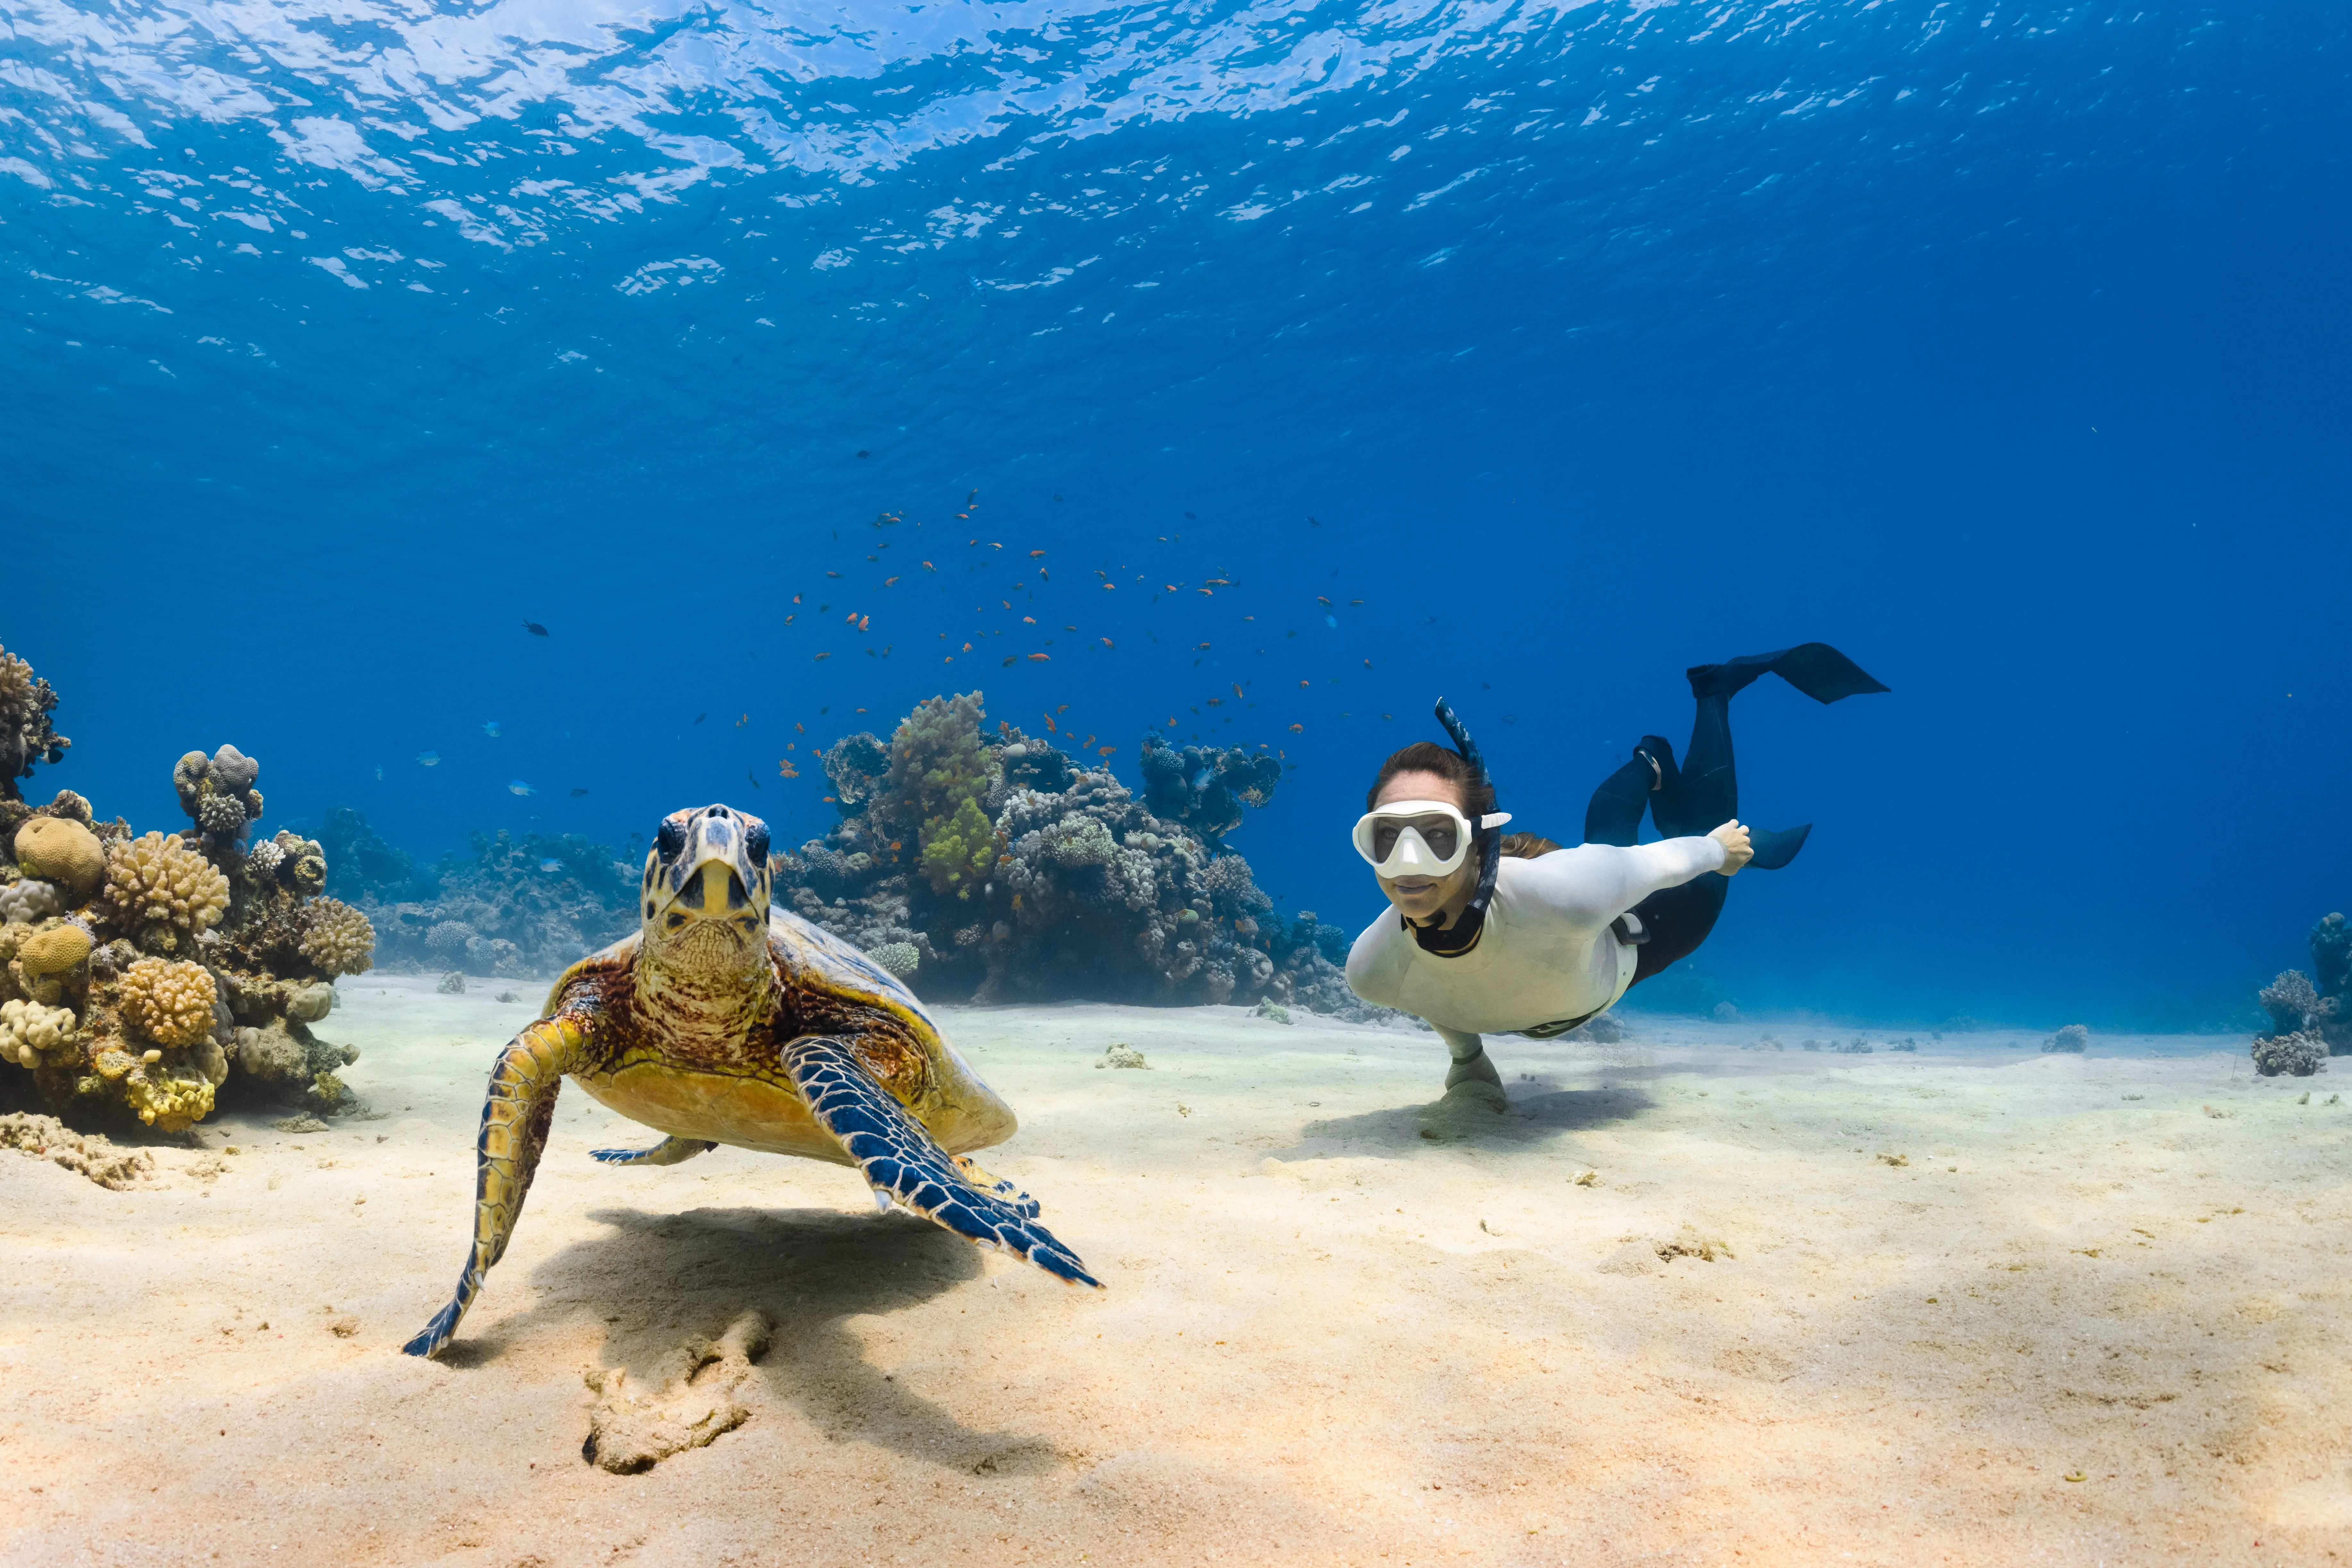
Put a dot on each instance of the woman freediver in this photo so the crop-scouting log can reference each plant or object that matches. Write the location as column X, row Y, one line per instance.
column 1496, row 935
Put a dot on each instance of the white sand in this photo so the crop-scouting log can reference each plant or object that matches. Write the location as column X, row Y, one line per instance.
column 1328, row 1337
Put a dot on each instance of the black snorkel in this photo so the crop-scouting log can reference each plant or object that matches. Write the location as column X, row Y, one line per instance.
column 1462, row 934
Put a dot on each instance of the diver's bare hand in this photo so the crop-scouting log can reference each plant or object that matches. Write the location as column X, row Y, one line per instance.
column 1736, row 850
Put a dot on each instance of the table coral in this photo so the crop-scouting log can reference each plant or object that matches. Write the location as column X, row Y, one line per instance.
column 158, row 884
column 61, row 851
column 170, row 1004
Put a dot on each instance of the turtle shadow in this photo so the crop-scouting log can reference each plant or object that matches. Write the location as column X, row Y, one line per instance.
column 1538, row 1113
column 654, row 1280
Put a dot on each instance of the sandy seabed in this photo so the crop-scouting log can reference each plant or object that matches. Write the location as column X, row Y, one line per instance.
column 1974, row 1305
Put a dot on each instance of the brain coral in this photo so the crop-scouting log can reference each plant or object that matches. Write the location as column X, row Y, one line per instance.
column 28, row 1028
column 59, row 851
column 27, row 901
column 338, row 938
column 170, row 1004
column 55, row 950
column 152, row 878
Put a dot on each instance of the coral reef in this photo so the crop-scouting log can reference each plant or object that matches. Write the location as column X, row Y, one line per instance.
column 528, row 906
column 27, row 736
column 2321, row 1012
column 146, row 975
column 2297, row 1053
column 993, row 866
column 2073, row 1037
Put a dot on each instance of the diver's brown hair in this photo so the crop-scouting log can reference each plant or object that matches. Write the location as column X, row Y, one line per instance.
column 1477, row 796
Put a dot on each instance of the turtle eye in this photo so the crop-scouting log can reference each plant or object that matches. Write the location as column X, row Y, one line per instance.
column 670, row 840
column 755, row 844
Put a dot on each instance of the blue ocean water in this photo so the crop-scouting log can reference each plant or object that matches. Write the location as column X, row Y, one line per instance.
column 1521, row 354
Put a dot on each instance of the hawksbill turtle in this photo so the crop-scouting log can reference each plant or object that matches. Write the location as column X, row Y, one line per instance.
column 724, row 1020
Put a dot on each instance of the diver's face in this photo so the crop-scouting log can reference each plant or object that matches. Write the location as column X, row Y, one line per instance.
column 1420, row 898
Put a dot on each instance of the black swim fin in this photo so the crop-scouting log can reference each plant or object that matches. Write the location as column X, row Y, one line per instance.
column 1815, row 669
column 1776, row 849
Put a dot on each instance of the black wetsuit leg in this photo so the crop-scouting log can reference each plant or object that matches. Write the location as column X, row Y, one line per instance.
column 1704, row 793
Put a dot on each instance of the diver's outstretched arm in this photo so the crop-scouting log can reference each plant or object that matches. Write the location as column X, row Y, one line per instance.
column 515, row 1118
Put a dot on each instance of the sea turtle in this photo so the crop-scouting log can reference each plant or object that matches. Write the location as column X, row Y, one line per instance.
column 723, row 1020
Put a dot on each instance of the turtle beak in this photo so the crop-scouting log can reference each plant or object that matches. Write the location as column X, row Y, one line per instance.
column 707, row 865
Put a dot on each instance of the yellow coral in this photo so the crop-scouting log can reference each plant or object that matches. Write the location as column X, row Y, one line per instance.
column 57, row 951
column 28, row 1028
column 958, row 850
column 155, row 879
column 63, row 852
column 169, row 1102
column 170, row 1004
column 337, row 938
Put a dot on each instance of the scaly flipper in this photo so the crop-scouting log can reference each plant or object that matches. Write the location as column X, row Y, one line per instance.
column 1002, row 1188
column 515, row 1119
column 901, row 1162
column 668, row 1151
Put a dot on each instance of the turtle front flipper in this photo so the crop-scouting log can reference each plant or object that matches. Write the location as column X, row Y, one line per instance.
column 515, row 1119
column 901, row 1162
column 668, row 1151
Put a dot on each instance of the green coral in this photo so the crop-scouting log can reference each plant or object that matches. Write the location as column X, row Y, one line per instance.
column 958, row 850
column 940, row 769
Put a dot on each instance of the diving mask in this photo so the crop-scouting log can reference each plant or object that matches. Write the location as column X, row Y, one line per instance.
column 1419, row 838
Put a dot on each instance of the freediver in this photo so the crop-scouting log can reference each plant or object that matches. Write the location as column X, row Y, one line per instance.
column 1495, row 934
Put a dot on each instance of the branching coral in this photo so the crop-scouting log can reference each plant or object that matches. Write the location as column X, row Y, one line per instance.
column 337, row 939
column 940, row 773
column 63, row 852
column 158, row 886
column 27, row 736
column 958, row 850
column 170, row 1004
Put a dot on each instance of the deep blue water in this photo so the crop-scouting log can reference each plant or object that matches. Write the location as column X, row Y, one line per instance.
column 2001, row 345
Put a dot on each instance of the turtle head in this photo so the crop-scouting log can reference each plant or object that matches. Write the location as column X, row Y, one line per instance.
column 707, row 884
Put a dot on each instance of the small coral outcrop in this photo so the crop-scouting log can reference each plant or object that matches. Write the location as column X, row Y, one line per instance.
column 217, row 791
column 2297, row 1054
column 2321, row 1012
column 141, row 975
column 27, row 736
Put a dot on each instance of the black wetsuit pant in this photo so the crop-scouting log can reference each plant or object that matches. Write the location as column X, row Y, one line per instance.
column 1704, row 793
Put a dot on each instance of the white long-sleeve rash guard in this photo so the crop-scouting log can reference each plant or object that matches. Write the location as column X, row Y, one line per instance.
column 1545, row 953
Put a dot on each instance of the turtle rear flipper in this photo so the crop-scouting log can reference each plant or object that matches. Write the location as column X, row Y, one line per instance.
column 1030, row 1208
column 902, row 1162
column 668, row 1151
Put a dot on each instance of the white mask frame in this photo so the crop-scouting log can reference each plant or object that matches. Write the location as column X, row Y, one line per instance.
column 1409, row 855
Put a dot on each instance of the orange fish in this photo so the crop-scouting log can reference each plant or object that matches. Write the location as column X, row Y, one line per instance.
column 1108, row 586
column 833, row 574
column 784, row 766
column 1035, row 554
column 1106, row 750
column 1049, row 722
column 1297, row 729
column 1202, row 648
column 797, row 598
column 1237, row 689
column 1028, row 620
column 821, row 659
column 1039, row 658
column 888, row 581
column 1108, row 643
column 863, row 621
column 928, row 567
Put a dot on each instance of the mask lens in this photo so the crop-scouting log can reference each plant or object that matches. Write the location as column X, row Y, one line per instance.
column 1385, row 830
column 1439, row 833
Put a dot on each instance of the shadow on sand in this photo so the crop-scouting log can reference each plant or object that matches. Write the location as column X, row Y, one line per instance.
column 654, row 1280
column 1538, row 1114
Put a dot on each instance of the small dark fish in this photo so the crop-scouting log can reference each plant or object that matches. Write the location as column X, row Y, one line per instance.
column 699, row 718
column 578, row 793
column 1315, row 522
column 534, row 628
column 865, row 454
column 1189, row 518
column 754, row 778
